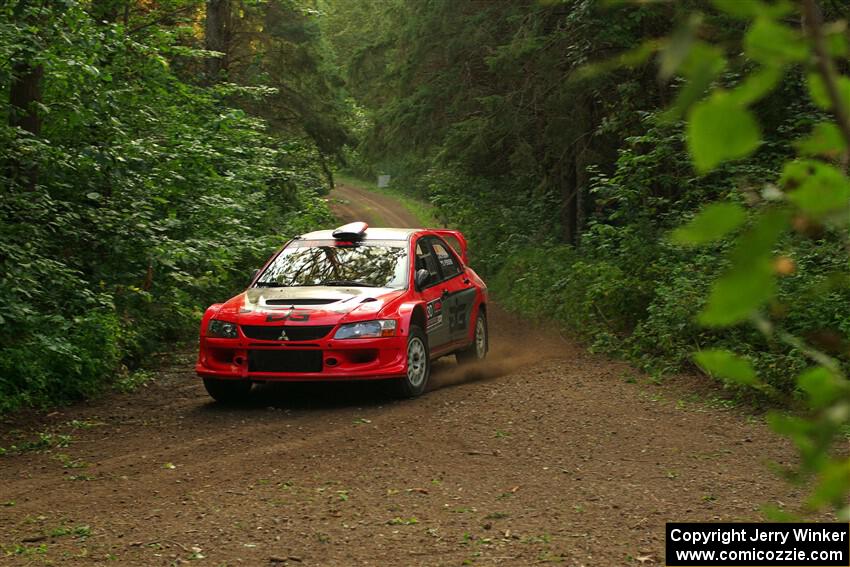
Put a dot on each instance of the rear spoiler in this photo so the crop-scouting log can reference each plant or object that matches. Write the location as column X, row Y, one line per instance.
column 456, row 239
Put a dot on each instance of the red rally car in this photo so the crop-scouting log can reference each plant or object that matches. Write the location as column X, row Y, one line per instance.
column 355, row 303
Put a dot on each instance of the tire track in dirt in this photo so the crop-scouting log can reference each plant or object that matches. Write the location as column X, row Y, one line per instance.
column 546, row 453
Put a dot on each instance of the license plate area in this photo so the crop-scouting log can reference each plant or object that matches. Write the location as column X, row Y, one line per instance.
column 285, row 360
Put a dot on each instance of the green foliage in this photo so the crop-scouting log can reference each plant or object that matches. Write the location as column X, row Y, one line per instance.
column 719, row 130
column 816, row 188
column 822, row 387
column 819, row 93
column 772, row 43
column 815, row 193
column 154, row 197
column 712, row 223
column 749, row 283
column 290, row 58
column 825, row 139
column 727, row 366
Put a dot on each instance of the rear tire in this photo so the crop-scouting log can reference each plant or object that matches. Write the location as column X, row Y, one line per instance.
column 477, row 351
column 415, row 381
column 228, row 391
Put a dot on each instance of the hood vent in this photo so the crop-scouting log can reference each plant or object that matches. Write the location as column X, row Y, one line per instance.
column 300, row 301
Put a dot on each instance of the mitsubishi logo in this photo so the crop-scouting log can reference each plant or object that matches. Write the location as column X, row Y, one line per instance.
column 283, row 336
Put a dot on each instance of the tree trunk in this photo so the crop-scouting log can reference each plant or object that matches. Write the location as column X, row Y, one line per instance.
column 24, row 92
column 582, row 181
column 576, row 179
column 569, row 200
column 24, row 95
column 329, row 175
column 107, row 10
column 217, row 37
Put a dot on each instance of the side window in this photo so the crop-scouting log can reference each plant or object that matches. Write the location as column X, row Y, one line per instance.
column 453, row 242
column 448, row 263
column 425, row 260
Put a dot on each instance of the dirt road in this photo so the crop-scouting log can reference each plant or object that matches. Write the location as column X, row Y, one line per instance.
column 546, row 454
column 350, row 202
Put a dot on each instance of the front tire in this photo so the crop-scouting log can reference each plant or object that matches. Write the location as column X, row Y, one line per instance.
column 477, row 351
column 228, row 391
column 415, row 381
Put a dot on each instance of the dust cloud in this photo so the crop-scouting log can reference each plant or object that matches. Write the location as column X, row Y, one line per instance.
column 514, row 345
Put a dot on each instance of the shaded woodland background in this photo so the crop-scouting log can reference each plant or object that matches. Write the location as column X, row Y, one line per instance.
column 155, row 151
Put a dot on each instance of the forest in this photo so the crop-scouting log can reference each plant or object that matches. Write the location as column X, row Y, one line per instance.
column 666, row 181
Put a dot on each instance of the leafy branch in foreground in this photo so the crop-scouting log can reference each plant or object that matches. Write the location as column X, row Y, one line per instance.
column 812, row 191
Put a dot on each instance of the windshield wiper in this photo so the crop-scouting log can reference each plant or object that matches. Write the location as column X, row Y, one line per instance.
column 350, row 283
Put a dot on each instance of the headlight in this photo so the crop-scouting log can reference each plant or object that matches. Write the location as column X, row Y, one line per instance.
column 367, row 329
column 221, row 329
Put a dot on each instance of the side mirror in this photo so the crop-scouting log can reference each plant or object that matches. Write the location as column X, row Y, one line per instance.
column 421, row 278
column 253, row 276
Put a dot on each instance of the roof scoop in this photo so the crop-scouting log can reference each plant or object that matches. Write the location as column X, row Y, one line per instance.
column 351, row 231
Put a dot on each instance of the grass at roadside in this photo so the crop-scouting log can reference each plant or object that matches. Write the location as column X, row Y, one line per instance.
column 424, row 212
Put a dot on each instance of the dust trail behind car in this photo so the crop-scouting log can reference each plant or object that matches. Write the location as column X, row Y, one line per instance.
column 515, row 344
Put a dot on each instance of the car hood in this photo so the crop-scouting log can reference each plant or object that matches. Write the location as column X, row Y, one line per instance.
column 309, row 305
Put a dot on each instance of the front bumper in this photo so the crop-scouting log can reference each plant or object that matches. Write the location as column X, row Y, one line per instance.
column 350, row 359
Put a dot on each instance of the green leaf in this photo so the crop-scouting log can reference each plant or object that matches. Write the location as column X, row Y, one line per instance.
column 825, row 140
column 836, row 43
column 745, row 10
column 833, row 484
column 712, row 223
column 791, row 426
column 727, row 366
column 677, row 49
column 773, row 513
column 802, row 432
column 819, row 189
column 718, row 130
column 628, row 59
column 749, row 9
column 817, row 90
column 756, row 85
column 820, row 95
column 750, row 282
column 703, row 64
column 772, row 43
column 821, row 386
column 737, row 294
column 760, row 240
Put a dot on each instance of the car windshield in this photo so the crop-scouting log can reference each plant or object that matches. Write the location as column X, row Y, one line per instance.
column 328, row 262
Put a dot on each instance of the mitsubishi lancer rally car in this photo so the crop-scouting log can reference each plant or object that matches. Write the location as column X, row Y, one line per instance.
column 355, row 303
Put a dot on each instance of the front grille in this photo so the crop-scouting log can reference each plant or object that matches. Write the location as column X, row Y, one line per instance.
column 285, row 360
column 293, row 333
